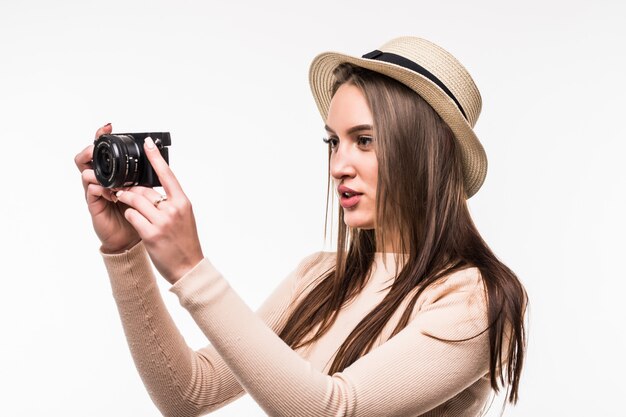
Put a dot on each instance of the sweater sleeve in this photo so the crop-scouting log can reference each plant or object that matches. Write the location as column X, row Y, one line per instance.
column 440, row 353
column 180, row 381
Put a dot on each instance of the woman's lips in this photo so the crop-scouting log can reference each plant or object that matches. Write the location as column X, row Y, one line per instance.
column 348, row 197
column 349, row 202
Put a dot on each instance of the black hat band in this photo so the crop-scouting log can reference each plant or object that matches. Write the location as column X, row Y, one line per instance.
column 408, row 64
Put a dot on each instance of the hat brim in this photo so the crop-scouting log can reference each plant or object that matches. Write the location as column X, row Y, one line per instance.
column 473, row 154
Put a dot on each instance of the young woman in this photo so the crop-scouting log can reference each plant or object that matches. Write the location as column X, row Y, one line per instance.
column 413, row 315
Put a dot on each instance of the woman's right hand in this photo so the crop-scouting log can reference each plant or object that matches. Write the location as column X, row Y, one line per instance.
column 107, row 216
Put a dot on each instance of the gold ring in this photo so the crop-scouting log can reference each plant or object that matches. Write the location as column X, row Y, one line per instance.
column 159, row 201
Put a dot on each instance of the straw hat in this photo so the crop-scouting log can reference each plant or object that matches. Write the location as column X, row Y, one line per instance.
column 431, row 72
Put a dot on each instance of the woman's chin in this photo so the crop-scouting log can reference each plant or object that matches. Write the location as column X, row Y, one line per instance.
column 358, row 223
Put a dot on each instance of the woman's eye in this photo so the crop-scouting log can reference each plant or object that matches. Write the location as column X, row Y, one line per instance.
column 332, row 142
column 365, row 140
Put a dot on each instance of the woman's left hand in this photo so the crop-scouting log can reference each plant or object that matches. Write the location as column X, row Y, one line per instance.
column 166, row 226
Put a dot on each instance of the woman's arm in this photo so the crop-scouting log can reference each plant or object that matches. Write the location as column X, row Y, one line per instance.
column 180, row 382
column 408, row 375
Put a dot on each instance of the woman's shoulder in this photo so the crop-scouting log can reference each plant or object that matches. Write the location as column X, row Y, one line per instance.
column 467, row 279
column 319, row 259
column 466, row 284
column 455, row 306
column 312, row 268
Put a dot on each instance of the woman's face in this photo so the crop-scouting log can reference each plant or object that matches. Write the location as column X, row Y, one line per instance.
column 353, row 163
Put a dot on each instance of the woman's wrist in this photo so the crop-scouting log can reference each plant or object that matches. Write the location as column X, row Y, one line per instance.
column 116, row 250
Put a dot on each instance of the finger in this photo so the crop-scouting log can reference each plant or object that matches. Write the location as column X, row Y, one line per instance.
column 104, row 130
column 149, row 193
column 166, row 176
column 164, row 206
column 94, row 192
column 143, row 227
column 88, row 176
column 141, row 204
column 89, row 179
column 83, row 159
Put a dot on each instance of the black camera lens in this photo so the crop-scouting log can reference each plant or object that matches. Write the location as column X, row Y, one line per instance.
column 116, row 160
column 105, row 161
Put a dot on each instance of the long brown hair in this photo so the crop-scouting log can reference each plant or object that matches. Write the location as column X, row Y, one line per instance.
column 421, row 192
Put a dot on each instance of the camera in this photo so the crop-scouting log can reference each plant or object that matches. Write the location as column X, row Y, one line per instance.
column 120, row 161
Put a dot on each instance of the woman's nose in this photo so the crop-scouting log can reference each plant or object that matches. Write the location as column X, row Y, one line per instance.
column 341, row 163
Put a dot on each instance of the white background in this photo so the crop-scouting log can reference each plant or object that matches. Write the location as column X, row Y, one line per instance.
column 229, row 81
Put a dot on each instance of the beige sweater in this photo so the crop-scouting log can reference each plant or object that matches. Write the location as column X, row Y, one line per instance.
column 415, row 373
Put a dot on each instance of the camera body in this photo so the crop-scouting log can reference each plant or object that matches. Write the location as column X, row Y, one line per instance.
column 120, row 161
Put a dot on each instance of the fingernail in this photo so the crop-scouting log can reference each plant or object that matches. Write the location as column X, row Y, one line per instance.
column 108, row 124
column 149, row 142
column 119, row 193
column 113, row 197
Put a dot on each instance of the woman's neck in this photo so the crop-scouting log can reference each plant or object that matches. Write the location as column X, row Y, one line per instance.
column 392, row 245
